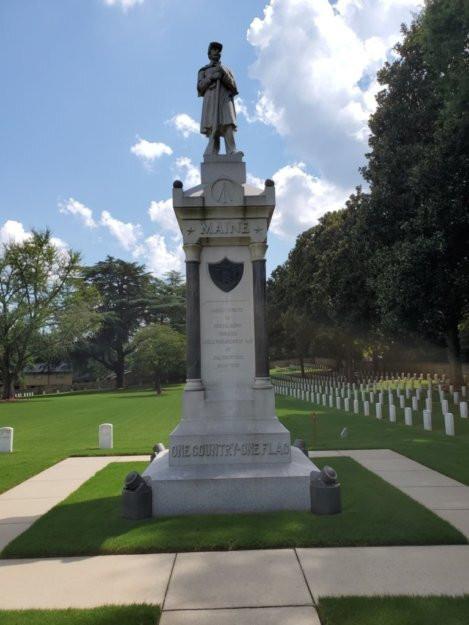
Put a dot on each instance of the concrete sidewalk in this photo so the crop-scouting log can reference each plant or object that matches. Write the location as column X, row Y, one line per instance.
column 265, row 587
column 251, row 587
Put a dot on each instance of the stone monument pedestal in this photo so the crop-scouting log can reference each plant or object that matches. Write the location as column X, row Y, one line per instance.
column 230, row 487
column 229, row 452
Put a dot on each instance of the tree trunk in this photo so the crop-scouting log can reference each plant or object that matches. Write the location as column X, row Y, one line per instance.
column 157, row 383
column 302, row 365
column 120, row 376
column 348, row 363
column 8, row 385
column 453, row 352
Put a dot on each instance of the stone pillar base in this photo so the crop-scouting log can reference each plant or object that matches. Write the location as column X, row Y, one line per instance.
column 230, row 488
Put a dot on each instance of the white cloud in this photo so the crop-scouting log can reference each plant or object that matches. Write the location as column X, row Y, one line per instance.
column 184, row 124
column 242, row 109
column 302, row 199
column 13, row 232
column 158, row 258
column 125, row 4
column 316, row 64
column 148, row 151
column 162, row 213
column 127, row 234
column 255, row 180
column 74, row 207
column 188, row 171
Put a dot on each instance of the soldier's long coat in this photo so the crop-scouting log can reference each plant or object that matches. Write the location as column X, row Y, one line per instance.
column 226, row 109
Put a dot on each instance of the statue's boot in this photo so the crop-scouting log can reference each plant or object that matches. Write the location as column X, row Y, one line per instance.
column 230, row 143
column 213, row 146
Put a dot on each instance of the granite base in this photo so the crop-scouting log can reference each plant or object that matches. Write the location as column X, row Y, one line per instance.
column 183, row 490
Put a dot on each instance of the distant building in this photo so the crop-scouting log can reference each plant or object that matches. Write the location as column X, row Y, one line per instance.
column 44, row 375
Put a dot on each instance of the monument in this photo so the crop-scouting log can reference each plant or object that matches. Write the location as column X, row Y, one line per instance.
column 229, row 453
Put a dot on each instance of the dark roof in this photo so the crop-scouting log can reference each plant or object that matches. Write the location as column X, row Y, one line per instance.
column 43, row 367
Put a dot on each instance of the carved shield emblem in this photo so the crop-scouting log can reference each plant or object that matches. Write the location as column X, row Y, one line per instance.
column 226, row 274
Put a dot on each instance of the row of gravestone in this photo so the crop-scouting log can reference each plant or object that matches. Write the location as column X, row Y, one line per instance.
column 322, row 398
column 403, row 380
column 303, row 388
column 381, row 385
column 105, row 438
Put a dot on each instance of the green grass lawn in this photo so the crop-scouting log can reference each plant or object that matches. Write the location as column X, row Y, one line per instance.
column 48, row 429
column 107, row 615
column 90, row 522
column 394, row 610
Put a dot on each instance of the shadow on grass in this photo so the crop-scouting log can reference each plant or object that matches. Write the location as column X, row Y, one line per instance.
column 90, row 522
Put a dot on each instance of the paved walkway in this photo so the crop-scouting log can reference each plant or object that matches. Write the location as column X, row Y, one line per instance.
column 265, row 587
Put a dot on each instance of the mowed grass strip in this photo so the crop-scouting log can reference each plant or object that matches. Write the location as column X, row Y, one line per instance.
column 49, row 429
column 394, row 610
column 136, row 614
column 89, row 522
column 446, row 454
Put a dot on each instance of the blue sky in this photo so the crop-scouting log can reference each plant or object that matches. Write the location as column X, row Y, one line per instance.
column 99, row 112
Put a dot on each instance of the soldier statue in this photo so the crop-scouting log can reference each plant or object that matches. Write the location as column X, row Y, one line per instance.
column 216, row 84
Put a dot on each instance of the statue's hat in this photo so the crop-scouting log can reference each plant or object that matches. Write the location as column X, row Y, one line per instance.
column 215, row 44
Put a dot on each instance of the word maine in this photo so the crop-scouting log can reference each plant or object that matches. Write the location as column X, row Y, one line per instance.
column 224, row 227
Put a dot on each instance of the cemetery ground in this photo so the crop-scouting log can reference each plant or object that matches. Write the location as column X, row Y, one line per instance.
column 51, row 428
column 48, row 429
column 89, row 522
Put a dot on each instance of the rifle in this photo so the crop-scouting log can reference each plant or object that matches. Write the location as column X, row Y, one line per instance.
column 215, row 112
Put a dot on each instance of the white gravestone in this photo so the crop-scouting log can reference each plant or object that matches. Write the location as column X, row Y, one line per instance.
column 402, row 401
column 379, row 413
column 415, row 403
column 427, row 420
column 366, row 408
column 106, row 436
column 6, row 440
column 449, row 424
column 347, row 404
column 463, row 409
column 355, row 406
column 392, row 414
column 428, row 404
column 408, row 416
column 444, row 406
column 338, row 402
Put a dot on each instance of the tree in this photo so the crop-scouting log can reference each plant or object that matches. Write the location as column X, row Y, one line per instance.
column 57, row 340
column 169, row 305
column 418, row 171
column 158, row 350
column 35, row 280
column 127, row 293
column 325, row 282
